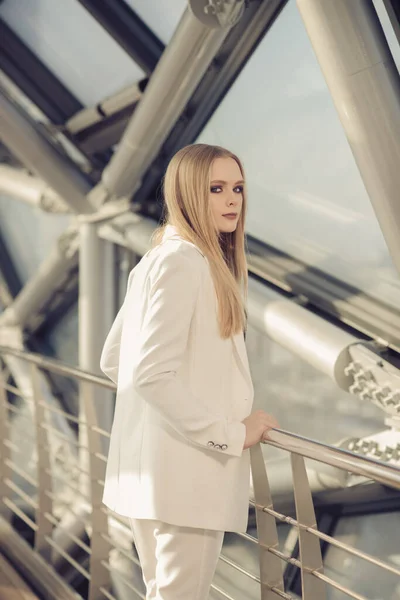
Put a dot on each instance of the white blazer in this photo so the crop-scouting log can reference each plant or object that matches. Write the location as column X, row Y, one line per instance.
column 176, row 449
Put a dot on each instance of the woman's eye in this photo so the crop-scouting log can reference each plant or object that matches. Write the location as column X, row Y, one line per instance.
column 216, row 189
column 239, row 189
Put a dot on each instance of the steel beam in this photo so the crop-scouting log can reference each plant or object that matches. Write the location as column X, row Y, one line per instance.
column 34, row 79
column 36, row 152
column 227, row 64
column 179, row 71
column 128, row 29
column 18, row 184
column 364, row 82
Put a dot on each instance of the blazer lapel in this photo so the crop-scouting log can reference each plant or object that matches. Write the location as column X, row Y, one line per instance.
column 240, row 351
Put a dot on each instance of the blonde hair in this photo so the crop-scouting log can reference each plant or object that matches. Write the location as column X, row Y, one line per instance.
column 186, row 193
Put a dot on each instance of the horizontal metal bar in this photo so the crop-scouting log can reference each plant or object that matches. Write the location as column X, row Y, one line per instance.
column 56, row 366
column 59, row 411
column 67, row 507
column 12, row 446
column 123, row 551
column 99, row 430
column 100, row 456
column 13, row 486
column 62, row 436
column 68, row 484
column 15, row 509
column 223, row 594
column 73, row 537
column 348, row 461
column 20, row 471
column 110, row 596
column 18, row 411
column 238, row 568
column 15, row 390
column 333, row 541
column 68, row 558
column 288, row 559
column 247, row 537
column 328, row 580
column 120, row 576
column 367, row 557
column 336, row 457
column 338, row 586
column 279, row 592
column 114, row 516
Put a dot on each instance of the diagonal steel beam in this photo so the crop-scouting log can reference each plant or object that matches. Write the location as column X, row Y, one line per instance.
column 128, row 29
column 364, row 82
column 179, row 71
column 34, row 79
column 24, row 140
column 181, row 67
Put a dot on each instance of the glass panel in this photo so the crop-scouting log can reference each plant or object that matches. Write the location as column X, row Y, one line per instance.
column 73, row 46
column 304, row 400
column 306, row 196
column 377, row 535
column 29, row 234
column 162, row 16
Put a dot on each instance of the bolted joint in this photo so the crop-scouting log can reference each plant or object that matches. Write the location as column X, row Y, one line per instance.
column 218, row 14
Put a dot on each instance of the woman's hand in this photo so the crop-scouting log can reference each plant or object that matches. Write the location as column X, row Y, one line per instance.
column 257, row 426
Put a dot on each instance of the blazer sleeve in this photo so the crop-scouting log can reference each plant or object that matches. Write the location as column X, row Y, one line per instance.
column 173, row 292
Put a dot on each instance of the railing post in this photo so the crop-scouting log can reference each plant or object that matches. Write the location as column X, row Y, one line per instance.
column 5, row 451
column 99, row 574
column 44, row 479
column 310, row 549
column 271, row 575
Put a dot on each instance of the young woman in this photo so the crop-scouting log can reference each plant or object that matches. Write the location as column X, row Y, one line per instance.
column 178, row 462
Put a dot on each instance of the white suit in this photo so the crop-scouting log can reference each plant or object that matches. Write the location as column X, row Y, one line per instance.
column 176, row 449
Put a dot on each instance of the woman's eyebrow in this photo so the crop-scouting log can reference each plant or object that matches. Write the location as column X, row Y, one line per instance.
column 226, row 182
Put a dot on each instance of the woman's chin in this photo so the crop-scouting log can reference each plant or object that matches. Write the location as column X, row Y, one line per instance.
column 228, row 227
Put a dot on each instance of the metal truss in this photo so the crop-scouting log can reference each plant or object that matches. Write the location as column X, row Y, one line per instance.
column 34, row 79
column 128, row 29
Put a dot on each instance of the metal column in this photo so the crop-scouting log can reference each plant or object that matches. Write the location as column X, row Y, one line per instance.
column 365, row 85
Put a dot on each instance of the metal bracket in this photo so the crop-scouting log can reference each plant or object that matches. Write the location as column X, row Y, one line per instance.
column 217, row 14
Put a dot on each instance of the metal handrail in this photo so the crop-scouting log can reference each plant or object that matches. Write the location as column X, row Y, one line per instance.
column 285, row 440
column 310, row 562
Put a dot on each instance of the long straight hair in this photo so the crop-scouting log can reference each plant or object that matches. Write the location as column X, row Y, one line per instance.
column 186, row 189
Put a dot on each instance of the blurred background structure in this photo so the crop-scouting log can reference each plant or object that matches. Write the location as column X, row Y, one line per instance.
column 96, row 96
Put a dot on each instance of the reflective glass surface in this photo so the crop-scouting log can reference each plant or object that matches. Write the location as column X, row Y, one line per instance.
column 303, row 399
column 377, row 535
column 72, row 44
column 162, row 16
column 306, row 195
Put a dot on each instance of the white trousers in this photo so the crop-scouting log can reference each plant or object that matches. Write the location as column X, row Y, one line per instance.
column 178, row 563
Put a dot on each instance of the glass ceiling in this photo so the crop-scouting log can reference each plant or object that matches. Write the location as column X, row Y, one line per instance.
column 72, row 44
column 306, row 195
column 162, row 16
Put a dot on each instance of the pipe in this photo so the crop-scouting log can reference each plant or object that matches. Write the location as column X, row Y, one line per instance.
column 40, row 156
column 90, row 116
column 22, row 186
column 179, row 71
column 315, row 340
column 52, row 273
column 365, row 85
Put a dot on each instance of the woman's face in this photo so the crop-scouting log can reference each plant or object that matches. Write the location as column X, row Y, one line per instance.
column 226, row 193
